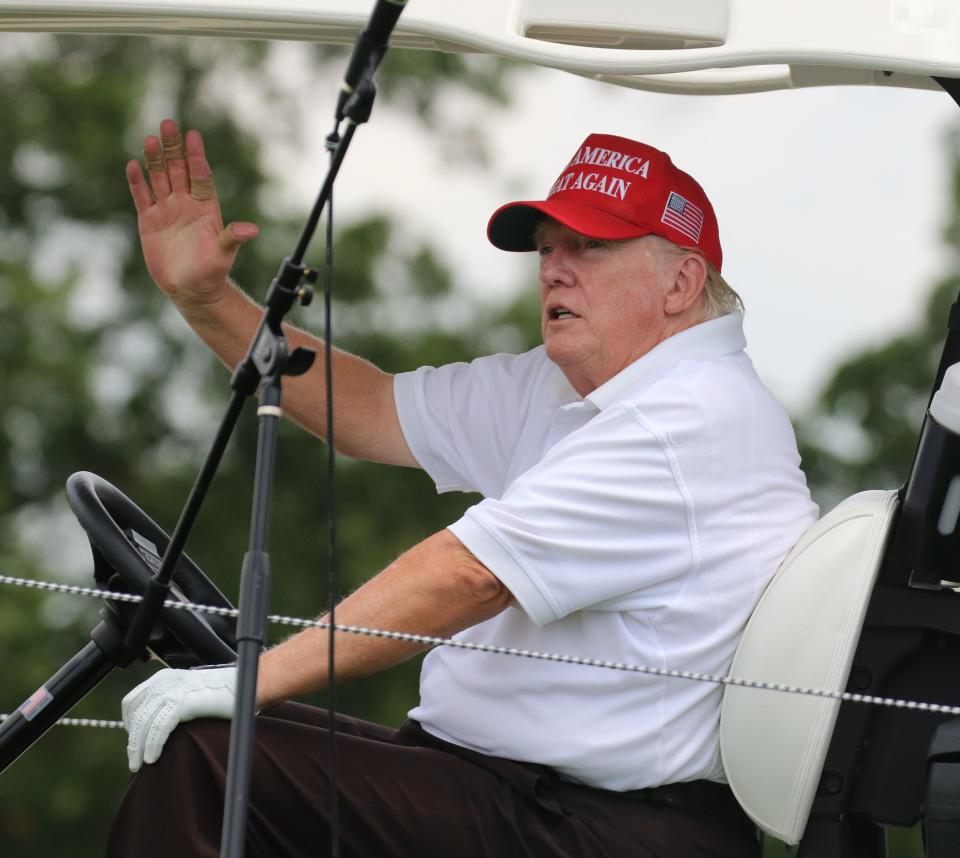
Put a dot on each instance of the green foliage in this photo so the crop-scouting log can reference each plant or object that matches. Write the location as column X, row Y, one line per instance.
column 430, row 277
column 863, row 430
column 100, row 374
column 359, row 247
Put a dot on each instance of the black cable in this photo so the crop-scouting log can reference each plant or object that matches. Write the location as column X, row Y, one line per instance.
column 332, row 590
column 354, row 105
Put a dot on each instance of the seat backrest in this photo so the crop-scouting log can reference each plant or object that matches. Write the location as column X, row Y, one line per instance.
column 803, row 632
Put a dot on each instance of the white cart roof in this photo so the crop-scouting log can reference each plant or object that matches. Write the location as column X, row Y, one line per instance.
column 686, row 46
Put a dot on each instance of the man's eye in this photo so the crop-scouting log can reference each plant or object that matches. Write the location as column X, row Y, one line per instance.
column 544, row 249
column 595, row 242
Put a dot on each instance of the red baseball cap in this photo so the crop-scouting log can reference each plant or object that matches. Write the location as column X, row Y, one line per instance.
column 615, row 188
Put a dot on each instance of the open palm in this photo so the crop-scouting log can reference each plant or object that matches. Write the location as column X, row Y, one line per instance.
column 185, row 246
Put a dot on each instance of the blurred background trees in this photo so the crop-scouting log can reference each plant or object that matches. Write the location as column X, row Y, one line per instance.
column 100, row 374
column 862, row 429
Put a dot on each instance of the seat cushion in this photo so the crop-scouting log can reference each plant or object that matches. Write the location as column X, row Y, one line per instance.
column 803, row 632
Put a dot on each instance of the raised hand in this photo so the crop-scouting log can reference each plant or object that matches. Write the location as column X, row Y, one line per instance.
column 187, row 250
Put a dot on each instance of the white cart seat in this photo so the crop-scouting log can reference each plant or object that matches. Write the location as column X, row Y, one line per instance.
column 804, row 632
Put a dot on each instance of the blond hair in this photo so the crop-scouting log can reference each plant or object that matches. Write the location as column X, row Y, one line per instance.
column 719, row 297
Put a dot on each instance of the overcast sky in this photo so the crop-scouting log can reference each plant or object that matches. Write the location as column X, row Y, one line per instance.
column 831, row 201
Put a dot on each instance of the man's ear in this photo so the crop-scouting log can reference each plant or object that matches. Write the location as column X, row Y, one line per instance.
column 689, row 281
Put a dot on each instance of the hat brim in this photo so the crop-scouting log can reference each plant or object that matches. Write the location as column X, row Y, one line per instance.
column 512, row 226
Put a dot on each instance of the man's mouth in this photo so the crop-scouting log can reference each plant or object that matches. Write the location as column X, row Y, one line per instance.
column 560, row 313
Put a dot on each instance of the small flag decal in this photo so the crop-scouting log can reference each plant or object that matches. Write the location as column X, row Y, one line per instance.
column 683, row 215
column 35, row 703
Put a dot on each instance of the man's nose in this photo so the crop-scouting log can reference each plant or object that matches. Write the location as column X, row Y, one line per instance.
column 555, row 269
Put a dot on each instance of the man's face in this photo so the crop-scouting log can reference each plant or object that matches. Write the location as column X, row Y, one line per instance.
column 604, row 303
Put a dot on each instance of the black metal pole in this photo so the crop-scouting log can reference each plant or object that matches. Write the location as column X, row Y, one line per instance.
column 52, row 700
column 252, row 622
column 158, row 589
column 268, row 359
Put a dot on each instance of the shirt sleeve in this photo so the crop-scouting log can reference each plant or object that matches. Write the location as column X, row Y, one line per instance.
column 602, row 522
column 462, row 421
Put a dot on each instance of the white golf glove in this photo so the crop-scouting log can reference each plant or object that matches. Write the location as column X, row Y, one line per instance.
column 155, row 707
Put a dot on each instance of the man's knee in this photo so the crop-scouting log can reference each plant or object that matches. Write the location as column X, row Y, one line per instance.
column 199, row 747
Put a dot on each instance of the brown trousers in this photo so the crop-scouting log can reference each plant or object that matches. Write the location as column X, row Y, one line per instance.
column 401, row 793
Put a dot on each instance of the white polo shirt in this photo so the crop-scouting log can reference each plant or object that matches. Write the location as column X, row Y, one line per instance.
column 637, row 524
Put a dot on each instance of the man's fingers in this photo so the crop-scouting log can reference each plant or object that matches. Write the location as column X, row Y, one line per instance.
column 237, row 234
column 156, row 167
column 132, row 700
column 161, row 726
column 154, row 161
column 176, row 164
column 171, row 140
column 140, row 720
column 139, row 189
column 171, row 143
column 202, row 187
column 196, row 155
column 228, row 241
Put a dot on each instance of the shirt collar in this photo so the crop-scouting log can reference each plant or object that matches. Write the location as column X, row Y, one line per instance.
column 717, row 337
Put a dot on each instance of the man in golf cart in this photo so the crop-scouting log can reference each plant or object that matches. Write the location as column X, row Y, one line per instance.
column 640, row 488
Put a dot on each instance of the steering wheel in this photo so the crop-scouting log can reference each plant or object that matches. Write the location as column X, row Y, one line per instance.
column 127, row 549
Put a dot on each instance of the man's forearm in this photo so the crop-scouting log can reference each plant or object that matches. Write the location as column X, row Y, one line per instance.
column 366, row 423
column 437, row 588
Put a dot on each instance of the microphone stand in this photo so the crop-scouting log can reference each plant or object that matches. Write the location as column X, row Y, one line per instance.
column 354, row 103
column 267, row 360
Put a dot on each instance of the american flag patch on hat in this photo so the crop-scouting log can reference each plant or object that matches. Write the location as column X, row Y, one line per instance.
column 35, row 703
column 683, row 215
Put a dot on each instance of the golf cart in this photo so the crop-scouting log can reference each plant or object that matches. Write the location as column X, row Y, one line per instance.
column 864, row 603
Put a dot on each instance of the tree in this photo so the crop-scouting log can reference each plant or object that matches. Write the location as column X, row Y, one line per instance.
column 100, row 374
column 862, row 431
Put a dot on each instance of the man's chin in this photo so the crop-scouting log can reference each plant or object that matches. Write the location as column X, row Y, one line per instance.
column 562, row 354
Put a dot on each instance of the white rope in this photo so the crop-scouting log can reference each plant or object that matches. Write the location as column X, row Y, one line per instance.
column 429, row 640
